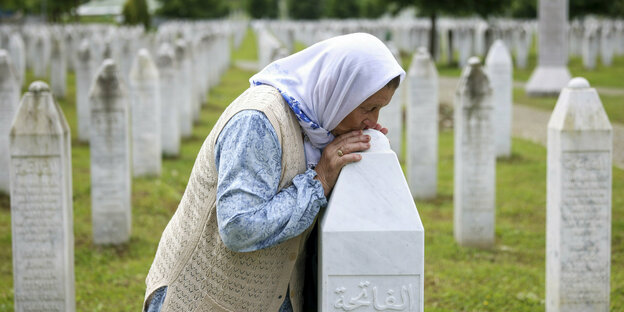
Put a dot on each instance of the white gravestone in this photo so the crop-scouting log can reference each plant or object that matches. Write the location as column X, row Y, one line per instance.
column 39, row 61
column 552, row 72
column 422, row 126
column 607, row 38
column 590, row 47
column 391, row 116
column 184, row 88
column 58, row 67
column 9, row 100
column 84, row 75
column 578, row 219
column 18, row 57
column 500, row 73
column 475, row 159
column 371, row 239
column 41, row 205
column 170, row 119
column 110, row 157
column 145, row 116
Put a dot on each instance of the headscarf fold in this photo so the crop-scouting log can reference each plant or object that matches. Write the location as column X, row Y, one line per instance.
column 328, row 80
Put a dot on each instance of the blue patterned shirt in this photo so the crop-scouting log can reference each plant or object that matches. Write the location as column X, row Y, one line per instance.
column 251, row 213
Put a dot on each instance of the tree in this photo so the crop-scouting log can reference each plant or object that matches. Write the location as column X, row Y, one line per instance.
column 52, row 9
column 194, row 9
column 136, row 12
column 305, row 9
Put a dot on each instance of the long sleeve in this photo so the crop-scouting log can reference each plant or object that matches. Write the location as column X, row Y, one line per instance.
column 251, row 213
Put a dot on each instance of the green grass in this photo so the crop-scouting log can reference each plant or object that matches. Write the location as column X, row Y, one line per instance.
column 613, row 105
column 509, row 277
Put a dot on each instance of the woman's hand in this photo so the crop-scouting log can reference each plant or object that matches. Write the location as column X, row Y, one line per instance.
column 376, row 126
column 337, row 154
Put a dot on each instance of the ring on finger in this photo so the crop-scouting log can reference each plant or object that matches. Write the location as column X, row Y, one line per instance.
column 340, row 154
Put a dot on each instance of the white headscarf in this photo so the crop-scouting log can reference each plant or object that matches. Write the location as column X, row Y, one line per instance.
column 327, row 81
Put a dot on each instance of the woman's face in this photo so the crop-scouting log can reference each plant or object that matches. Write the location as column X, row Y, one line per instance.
column 365, row 116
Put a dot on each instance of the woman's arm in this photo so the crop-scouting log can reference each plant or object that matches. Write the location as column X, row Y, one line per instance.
column 251, row 213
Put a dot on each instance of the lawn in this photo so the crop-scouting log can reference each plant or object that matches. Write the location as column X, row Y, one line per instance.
column 509, row 277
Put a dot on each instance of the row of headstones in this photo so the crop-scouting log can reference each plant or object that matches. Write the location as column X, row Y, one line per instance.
column 579, row 184
column 186, row 78
column 592, row 38
column 461, row 37
column 40, row 170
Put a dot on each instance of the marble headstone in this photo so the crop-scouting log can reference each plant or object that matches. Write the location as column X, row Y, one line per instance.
column 590, row 47
column 578, row 219
column 84, row 75
column 475, row 159
column 41, row 205
column 9, row 100
column 184, row 88
column 39, row 62
column 551, row 74
column 145, row 116
column 500, row 73
column 371, row 239
column 170, row 119
column 58, row 67
column 18, row 57
column 391, row 116
column 422, row 126
column 110, row 157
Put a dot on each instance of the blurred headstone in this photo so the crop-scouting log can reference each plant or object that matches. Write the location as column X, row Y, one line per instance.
column 551, row 74
column 475, row 159
column 9, row 101
column 110, row 157
column 422, row 126
column 500, row 73
column 84, row 75
column 578, row 220
column 170, row 119
column 58, row 67
column 145, row 116
column 184, row 88
column 41, row 205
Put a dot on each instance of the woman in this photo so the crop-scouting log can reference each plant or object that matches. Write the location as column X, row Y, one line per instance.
column 236, row 240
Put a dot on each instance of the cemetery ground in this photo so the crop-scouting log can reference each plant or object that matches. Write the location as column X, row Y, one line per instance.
column 509, row 277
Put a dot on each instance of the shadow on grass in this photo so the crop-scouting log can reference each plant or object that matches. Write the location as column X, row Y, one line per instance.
column 5, row 202
column 515, row 158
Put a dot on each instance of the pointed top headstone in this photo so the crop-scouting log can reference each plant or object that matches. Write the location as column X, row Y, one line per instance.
column 579, row 108
column 143, row 67
column 498, row 54
column 38, row 113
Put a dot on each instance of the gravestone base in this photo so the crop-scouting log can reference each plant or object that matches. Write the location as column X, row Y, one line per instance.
column 547, row 81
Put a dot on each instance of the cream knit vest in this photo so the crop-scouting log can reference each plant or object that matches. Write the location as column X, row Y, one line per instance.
column 201, row 273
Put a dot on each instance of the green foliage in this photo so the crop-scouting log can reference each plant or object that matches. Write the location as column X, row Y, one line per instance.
column 195, row 9
column 305, row 9
column 136, row 12
column 262, row 8
column 342, row 8
column 54, row 10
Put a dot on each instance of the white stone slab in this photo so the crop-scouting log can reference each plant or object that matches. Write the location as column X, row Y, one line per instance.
column 9, row 101
column 169, row 105
column 371, row 239
column 578, row 220
column 18, row 57
column 499, row 69
column 422, row 126
column 110, row 157
column 58, row 67
column 552, row 72
column 145, row 116
column 184, row 88
column 84, row 74
column 41, row 205
column 475, row 159
column 391, row 116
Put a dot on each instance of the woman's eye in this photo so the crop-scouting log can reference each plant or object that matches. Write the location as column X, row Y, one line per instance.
column 372, row 109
